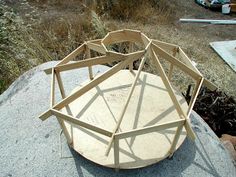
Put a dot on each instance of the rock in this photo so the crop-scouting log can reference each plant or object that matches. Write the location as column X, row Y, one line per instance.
column 229, row 146
column 28, row 96
column 232, row 139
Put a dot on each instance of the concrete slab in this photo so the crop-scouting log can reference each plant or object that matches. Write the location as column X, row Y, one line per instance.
column 30, row 147
column 227, row 51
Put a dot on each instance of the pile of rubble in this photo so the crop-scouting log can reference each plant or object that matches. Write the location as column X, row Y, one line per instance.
column 219, row 112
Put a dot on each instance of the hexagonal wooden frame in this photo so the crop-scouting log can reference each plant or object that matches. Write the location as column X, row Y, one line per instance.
column 152, row 48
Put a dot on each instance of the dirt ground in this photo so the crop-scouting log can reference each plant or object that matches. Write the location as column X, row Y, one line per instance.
column 195, row 39
column 163, row 24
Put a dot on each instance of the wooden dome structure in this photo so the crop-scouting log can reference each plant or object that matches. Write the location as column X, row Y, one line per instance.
column 140, row 116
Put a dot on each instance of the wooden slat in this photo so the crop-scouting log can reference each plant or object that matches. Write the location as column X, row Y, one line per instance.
column 111, row 57
column 72, row 55
column 114, row 37
column 194, row 95
column 122, row 36
column 76, row 121
column 171, row 65
column 95, row 41
column 52, row 99
column 61, row 122
column 91, row 62
column 88, row 55
column 176, row 62
column 45, row 115
column 175, row 140
column 145, row 39
column 209, row 85
column 172, row 94
column 165, row 45
column 133, row 35
column 60, row 84
column 96, row 47
column 130, row 51
column 189, row 130
column 150, row 129
column 170, row 71
column 125, row 105
column 116, row 153
column 62, row 90
column 167, row 84
column 187, row 61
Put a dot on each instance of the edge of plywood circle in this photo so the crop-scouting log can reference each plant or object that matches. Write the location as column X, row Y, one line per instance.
column 150, row 105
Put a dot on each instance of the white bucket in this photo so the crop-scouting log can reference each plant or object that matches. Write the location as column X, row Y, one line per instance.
column 225, row 9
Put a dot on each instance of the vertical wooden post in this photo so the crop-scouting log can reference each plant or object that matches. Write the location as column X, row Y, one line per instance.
column 126, row 104
column 194, row 95
column 170, row 71
column 60, row 84
column 88, row 55
column 52, row 100
column 175, row 140
column 61, row 122
column 116, row 153
column 131, row 50
column 171, row 65
column 170, row 90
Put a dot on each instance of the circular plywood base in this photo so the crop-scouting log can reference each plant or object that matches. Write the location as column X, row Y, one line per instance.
column 150, row 105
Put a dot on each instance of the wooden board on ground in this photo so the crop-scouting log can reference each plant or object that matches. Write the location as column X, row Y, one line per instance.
column 150, row 105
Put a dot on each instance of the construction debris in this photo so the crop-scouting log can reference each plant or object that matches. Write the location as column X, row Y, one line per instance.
column 210, row 21
column 225, row 6
column 218, row 110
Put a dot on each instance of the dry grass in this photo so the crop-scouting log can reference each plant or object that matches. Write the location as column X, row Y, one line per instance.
column 61, row 26
column 149, row 11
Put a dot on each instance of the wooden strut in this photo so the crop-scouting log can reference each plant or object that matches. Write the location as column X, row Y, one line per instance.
column 89, row 62
column 72, row 55
column 81, row 123
column 167, row 84
column 125, row 106
column 175, row 140
column 145, row 130
column 188, row 62
column 171, row 65
column 194, row 95
column 131, row 50
column 128, row 99
column 150, row 129
column 88, row 55
column 176, row 62
column 62, row 124
column 52, row 99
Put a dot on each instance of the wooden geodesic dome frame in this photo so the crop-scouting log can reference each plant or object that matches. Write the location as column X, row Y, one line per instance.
column 153, row 49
